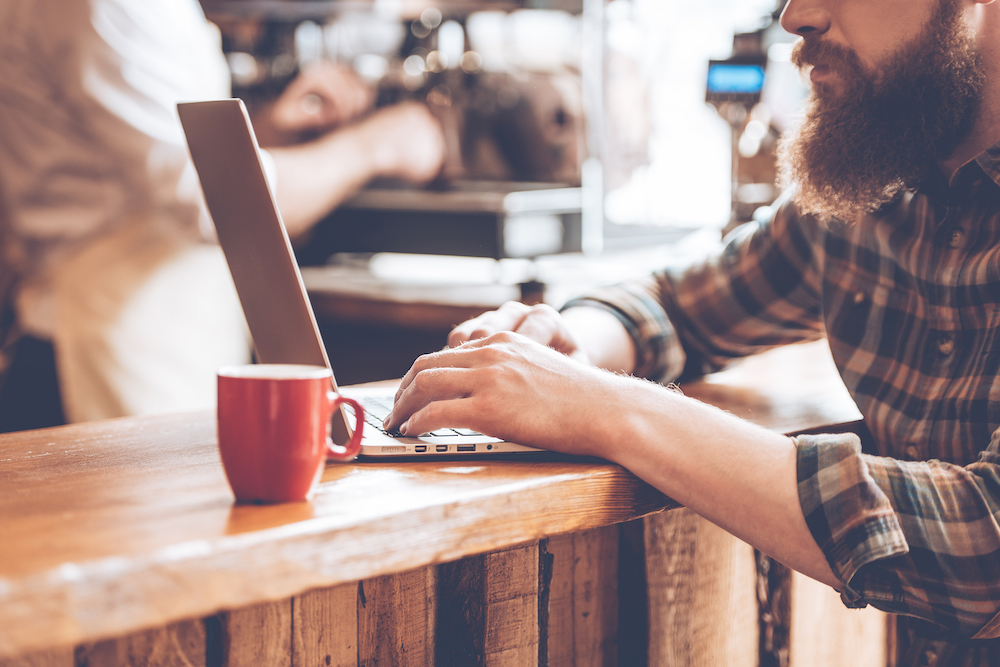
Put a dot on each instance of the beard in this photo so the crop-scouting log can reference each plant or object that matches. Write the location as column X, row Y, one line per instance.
column 859, row 147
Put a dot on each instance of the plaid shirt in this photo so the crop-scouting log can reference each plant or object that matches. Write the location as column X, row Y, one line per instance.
column 909, row 300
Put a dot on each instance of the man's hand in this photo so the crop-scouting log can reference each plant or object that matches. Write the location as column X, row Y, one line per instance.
column 588, row 335
column 541, row 323
column 510, row 387
column 403, row 141
column 323, row 96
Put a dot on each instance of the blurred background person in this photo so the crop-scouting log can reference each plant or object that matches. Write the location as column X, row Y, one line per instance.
column 118, row 301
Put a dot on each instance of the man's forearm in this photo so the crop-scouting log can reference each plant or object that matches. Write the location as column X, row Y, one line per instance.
column 402, row 141
column 315, row 178
column 734, row 473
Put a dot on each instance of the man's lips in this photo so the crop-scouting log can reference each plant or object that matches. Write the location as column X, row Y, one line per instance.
column 820, row 73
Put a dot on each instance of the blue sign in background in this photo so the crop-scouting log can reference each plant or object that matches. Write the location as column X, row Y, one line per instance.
column 735, row 78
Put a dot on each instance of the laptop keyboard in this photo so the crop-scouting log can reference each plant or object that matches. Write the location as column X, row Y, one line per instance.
column 376, row 410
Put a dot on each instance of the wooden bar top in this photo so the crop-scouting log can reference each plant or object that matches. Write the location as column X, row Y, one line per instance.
column 111, row 527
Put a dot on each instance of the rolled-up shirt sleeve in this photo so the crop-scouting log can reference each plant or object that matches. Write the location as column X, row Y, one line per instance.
column 762, row 290
column 659, row 352
column 915, row 538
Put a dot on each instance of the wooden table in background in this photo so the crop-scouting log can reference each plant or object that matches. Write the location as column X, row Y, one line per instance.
column 120, row 545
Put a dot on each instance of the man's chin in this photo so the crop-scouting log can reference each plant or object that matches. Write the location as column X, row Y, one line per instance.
column 825, row 80
column 828, row 91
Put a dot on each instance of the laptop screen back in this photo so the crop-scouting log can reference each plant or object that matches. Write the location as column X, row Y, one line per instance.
column 253, row 237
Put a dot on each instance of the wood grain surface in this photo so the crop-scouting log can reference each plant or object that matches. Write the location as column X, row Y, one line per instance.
column 325, row 627
column 114, row 528
column 396, row 619
column 825, row 633
column 582, row 620
column 701, row 587
column 181, row 644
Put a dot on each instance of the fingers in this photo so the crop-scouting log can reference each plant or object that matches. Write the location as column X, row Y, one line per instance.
column 502, row 385
column 344, row 87
column 405, row 141
column 540, row 323
column 447, row 388
column 506, row 318
column 451, row 358
column 450, row 413
column 432, row 399
column 322, row 96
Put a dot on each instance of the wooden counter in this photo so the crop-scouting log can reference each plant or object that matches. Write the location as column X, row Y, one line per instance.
column 121, row 539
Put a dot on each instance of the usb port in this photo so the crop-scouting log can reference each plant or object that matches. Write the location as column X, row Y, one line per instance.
column 441, row 448
column 466, row 448
column 420, row 449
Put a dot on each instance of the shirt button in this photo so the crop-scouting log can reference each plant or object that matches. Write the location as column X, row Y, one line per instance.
column 859, row 297
column 957, row 239
column 946, row 345
column 912, row 453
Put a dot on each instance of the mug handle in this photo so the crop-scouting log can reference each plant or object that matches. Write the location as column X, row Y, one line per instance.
column 348, row 452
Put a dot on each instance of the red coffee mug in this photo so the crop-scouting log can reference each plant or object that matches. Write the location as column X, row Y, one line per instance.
column 274, row 429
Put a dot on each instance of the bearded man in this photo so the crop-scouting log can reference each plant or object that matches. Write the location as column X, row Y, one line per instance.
column 887, row 244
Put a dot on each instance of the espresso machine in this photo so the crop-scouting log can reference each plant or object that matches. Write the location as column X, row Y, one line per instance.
column 512, row 184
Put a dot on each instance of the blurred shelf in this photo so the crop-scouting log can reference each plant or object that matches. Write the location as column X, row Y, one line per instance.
column 470, row 218
column 303, row 10
column 473, row 196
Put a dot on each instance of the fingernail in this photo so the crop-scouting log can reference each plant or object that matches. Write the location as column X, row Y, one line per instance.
column 404, row 428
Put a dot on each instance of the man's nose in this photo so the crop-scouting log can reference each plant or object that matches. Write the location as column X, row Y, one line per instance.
column 806, row 17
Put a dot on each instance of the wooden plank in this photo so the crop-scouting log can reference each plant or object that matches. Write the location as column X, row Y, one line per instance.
column 825, row 633
column 512, row 607
column 396, row 619
column 596, row 596
column 774, row 591
column 702, row 599
column 460, row 637
column 176, row 645
column 556, row 602
column 259, row 634
column 51, row 658
column 488, row 609
column 325, row 627
column 633, row 595
column 583, row 599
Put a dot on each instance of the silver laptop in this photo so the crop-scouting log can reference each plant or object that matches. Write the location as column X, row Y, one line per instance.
column 255, row 243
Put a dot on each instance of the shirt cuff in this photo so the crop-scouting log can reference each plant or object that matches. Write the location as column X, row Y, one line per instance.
column 848, row 514
column 660, row 356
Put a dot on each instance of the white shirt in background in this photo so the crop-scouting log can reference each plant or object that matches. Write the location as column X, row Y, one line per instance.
column 106, row 225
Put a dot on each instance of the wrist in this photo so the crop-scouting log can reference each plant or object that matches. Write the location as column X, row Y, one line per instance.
column 347, row 152
column 614, row 430
column 602, row 338
column 374, row 154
